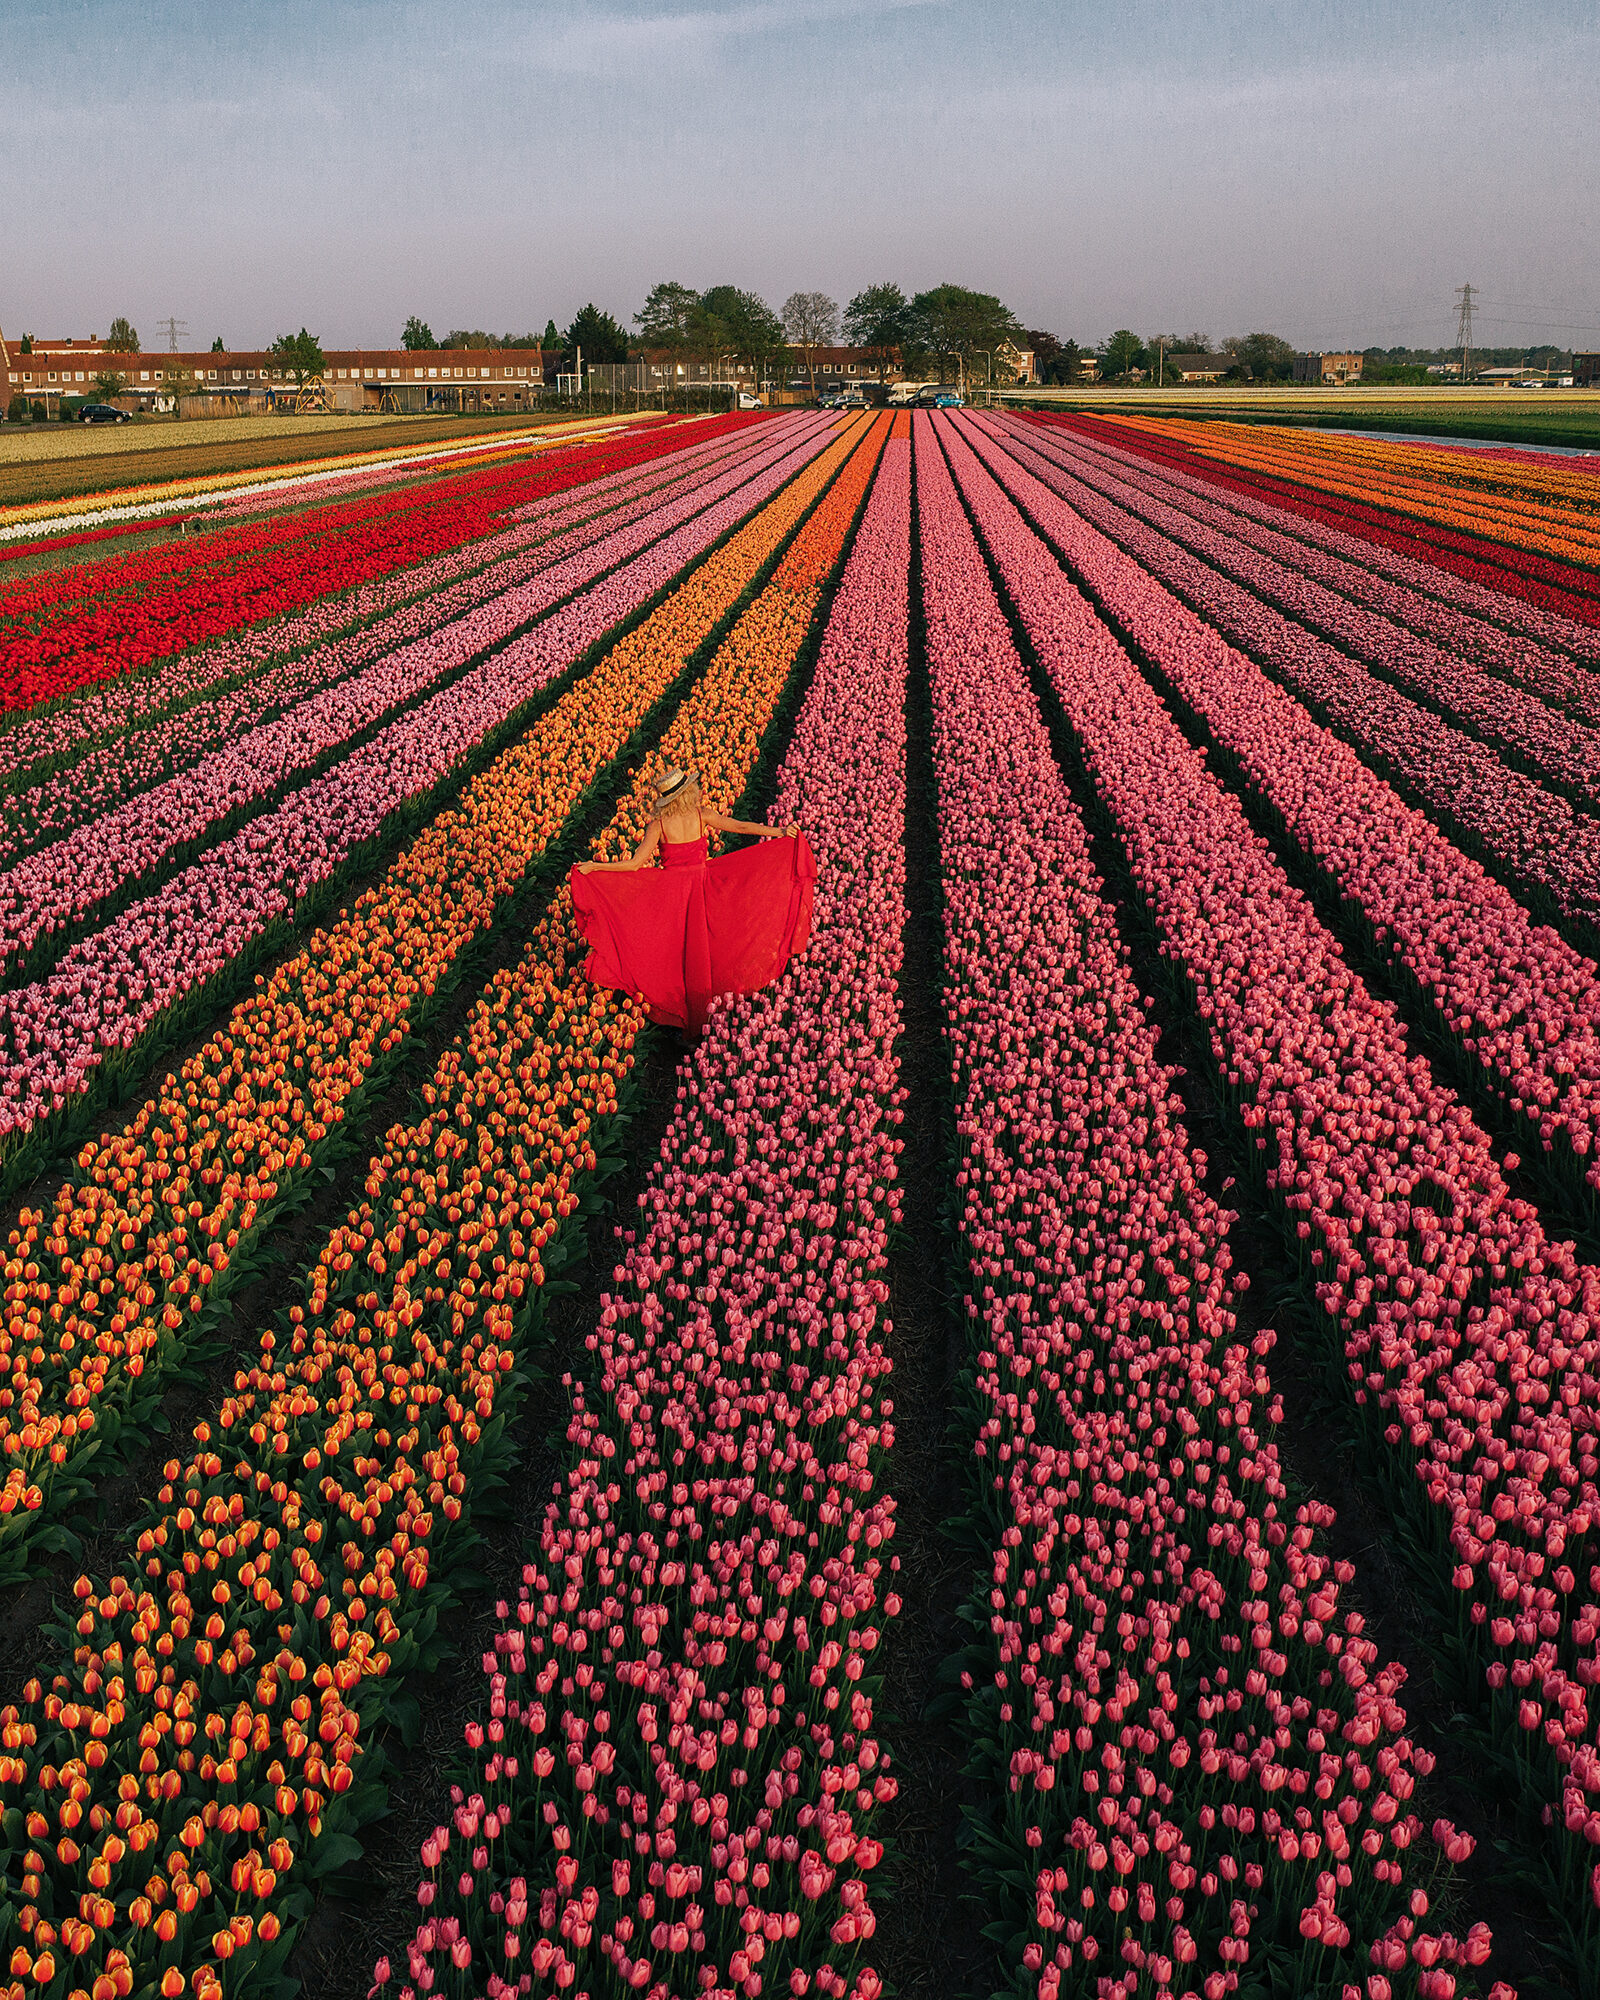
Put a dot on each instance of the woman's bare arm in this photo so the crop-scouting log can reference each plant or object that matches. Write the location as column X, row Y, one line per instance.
column 748, row 826
column 641, row 856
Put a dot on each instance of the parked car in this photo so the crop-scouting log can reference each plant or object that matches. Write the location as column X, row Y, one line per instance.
column 832, row 399
column 940, row 399
column 745, row 401
column 102, row 413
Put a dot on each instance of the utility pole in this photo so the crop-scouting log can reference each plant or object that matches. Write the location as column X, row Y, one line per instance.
column 1464, row 311
column 172, row 328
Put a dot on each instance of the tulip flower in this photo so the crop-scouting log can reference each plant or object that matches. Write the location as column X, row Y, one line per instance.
column 1058, row 1159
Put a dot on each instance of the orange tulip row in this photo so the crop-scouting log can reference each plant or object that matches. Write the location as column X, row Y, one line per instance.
column 1552, row 513
column 170, row 1784
column 104, row 1291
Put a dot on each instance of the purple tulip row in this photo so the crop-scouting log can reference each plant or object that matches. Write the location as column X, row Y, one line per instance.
column 1565, row 753
column 1521, row 999
column 107, row 989
column 691, row 1810
column 1470, row 1339
column 35, row 741
column 1552, row 676
column 1536, row 837
column 1169, row 1683
column 1514, row 614
column 111, row 774
column 53, row 889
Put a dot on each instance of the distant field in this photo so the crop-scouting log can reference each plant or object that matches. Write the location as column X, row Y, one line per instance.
column 60, row 461
column 1532, row 416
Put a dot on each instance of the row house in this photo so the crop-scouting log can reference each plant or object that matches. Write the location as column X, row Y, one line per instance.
column 500, row 378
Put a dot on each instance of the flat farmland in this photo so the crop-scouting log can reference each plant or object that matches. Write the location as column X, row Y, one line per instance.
column 1564, row 417
column 62, row 461
column 1053, row 1452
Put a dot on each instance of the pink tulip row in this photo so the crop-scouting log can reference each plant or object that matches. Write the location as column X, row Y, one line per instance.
column 1187, row 1723
column 112, row 773
column 1521, row 999
column 1536, row 837
column 53, row 889
column 1553, row 676
column 689, row 1810
column 33, row 741
column 1515, row 614
column 107, row 989
column 1563, row 752
column 1471, row 1340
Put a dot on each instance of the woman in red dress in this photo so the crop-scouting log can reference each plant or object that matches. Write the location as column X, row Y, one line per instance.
column 677, row 935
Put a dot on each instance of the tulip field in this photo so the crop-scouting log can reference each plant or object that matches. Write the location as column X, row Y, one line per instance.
column 916, row 1397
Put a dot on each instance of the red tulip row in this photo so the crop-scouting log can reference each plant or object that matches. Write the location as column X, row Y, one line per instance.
column 63, row 628
column 687, row 1808
column 1470, row 1340
column 1184, row 1747
column 1454, row 615
column 41, row 739
column 1562, row 752
column 57, row 888
column 1539, row 839
column 1540, row 581
column 1523, row 1001
column 178, row 1776
column 269, row 673
column 107, row 989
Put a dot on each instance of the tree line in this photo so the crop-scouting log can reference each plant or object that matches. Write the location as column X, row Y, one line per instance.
column 945, row 331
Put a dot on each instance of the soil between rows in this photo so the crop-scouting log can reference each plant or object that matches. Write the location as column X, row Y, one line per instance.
column 929, row 1943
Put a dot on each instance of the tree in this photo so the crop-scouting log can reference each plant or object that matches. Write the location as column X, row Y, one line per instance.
column 1264, row 356
column 811, row 321
column 550, row 339
column 598, row 335
column 1121, row 354
column 741, row 324
column 27, row 344
column 878, row 319
column 109, row 384
column 1057, row 362
column 299, row 355
column 668, row 317
column 217, row 346
column 417, row 336
column 958, row 325
column 123, row 337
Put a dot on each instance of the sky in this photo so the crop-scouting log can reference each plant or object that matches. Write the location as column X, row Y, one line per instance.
column 1328, row 172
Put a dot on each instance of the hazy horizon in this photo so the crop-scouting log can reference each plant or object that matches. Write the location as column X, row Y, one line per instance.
column 1328, row 174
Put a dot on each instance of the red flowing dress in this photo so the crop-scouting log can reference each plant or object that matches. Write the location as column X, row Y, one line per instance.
column 677, row 935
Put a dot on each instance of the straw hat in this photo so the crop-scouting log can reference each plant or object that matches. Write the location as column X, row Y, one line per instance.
column 672, row 781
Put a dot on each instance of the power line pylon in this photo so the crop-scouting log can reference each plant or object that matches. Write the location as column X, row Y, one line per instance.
column 1464, row 311
column 172, row 328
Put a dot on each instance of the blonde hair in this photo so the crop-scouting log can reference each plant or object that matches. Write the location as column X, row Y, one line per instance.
column 684, row 800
